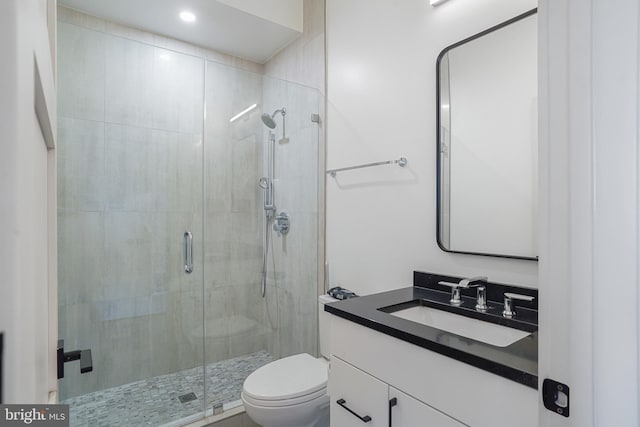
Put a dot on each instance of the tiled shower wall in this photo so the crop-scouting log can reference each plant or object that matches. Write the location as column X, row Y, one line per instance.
column 133, row 175
column 292, row 292
column 237, row 319
column 303, row 62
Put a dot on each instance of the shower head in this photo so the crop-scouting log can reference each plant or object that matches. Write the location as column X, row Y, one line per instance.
column 269, row 121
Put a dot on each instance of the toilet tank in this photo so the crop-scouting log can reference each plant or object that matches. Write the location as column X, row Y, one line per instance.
column 324, row 322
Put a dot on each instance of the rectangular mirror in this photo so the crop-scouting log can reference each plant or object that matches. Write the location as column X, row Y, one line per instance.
column 487, row 116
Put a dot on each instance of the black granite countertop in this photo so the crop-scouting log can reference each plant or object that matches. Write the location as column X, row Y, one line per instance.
column 517, row 362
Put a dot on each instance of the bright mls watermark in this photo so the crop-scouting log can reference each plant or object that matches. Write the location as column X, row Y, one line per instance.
column 34, row 415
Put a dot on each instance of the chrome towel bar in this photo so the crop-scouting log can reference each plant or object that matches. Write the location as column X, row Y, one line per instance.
column 402, row 161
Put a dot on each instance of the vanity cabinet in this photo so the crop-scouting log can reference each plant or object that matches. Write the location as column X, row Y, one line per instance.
column 358, row 398
column 368, row 368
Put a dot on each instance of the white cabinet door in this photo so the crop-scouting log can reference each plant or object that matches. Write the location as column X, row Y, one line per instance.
column 409, row 412
column 357, row 398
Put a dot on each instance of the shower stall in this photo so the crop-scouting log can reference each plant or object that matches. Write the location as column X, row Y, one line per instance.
column 170, row 269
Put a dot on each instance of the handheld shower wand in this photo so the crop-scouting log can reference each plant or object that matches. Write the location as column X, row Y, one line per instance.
column 266, row 183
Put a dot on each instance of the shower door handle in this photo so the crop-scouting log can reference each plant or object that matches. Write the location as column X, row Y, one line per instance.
column 188, row 252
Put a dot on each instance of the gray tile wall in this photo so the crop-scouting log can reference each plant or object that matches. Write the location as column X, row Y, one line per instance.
column 303, row 62
column 291, row 300
column 233, row 207
column 284, row 321
column 133, row 155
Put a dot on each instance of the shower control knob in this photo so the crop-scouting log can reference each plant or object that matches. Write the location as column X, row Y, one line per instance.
column 282, row 223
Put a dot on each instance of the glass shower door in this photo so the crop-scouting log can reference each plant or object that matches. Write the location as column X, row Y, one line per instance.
column 130, row 238
column 236, row 335
column 244, row 326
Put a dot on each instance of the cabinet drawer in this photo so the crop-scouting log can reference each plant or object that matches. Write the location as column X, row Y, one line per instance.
column 410, row 412
column 358, row 392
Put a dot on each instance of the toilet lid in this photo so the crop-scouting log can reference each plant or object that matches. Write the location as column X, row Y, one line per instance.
column 287, row 378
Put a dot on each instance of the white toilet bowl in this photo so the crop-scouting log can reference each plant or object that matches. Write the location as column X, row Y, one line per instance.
column 290, row 392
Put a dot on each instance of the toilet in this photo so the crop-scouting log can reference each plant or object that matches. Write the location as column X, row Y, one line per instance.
column 292, row 391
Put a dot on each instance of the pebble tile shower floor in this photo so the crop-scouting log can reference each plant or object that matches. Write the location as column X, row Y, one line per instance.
column 156, row 401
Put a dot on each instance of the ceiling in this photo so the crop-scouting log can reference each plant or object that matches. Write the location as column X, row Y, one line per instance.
column 254, row 36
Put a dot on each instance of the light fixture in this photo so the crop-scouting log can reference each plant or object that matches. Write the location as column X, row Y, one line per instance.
column 242, row 113
column 187, row 16
column 437, row 2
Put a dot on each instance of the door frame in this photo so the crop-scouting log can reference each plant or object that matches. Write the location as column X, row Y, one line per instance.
column 589, row 205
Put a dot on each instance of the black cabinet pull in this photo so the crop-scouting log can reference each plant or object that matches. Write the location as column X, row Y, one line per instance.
column 343, row 403
column 392, row 402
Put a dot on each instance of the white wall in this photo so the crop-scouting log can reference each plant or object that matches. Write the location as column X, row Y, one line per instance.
column 25, row 172
column 381, row 222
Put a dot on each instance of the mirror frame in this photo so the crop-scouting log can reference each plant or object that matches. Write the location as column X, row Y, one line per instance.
column 438, row 136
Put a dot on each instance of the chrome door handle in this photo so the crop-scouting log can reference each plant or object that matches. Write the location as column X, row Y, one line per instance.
column 188, row 252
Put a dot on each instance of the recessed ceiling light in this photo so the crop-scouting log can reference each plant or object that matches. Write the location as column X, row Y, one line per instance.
column 187, row 16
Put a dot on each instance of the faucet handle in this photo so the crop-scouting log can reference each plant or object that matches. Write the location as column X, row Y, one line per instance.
column 520, row 297
column 455, row 292
column 509, row 305
column 481, row 300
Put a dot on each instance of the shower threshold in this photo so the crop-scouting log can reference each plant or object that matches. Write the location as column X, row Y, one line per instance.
column 156, row 401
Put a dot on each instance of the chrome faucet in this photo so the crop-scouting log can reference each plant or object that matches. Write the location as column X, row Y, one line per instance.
column 472, row 282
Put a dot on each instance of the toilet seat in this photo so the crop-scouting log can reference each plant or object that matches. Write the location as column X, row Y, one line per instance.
column 289, row 381
column 284, row 402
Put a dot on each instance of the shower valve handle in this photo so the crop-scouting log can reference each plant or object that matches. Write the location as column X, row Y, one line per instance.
column 282, row 223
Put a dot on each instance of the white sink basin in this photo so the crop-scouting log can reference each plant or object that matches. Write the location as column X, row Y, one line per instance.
column 489, row 333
